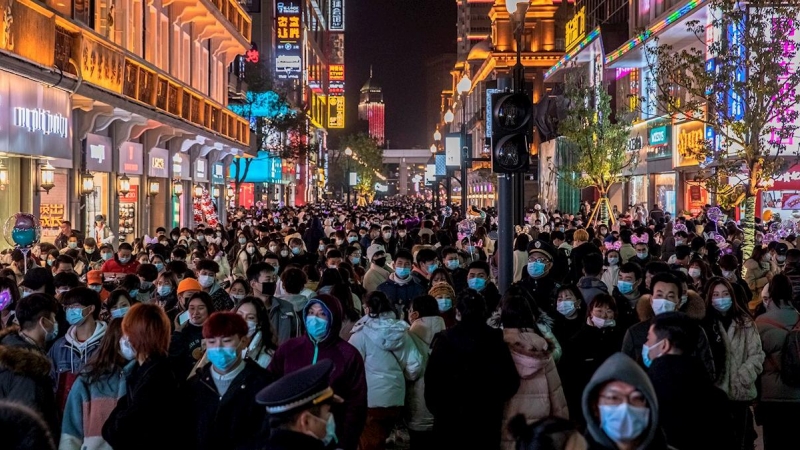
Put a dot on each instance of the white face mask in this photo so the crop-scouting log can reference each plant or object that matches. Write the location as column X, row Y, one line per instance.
column 205, row 280
column 662, row 305
column 603, row 323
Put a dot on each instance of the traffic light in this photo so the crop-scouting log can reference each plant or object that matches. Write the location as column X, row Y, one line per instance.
column 512, row 132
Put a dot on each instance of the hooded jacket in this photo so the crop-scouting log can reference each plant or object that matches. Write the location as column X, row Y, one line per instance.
column 390, row 358
column 348, row 378
column 540, row 393
column 773, row 327
column 69, row 356
column 619, row 367
column 422, row 332
column 25, row 377
column 590, row 287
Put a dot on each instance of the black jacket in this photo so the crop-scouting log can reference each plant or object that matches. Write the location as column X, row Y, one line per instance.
column 185, row 350
column 281, row 439
column 230, row 421
column 692, row 411
column 151, row 413
column 463, row 358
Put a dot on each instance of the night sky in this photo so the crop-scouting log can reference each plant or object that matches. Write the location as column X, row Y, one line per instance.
column 396, row 37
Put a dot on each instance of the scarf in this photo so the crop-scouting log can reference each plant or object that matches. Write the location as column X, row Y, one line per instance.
column 400, row 281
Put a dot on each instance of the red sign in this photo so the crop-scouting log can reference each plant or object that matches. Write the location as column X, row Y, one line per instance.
column 246, row 194
column 132, row 196
column 789, row 180
column 252, row 55
column 789, row 201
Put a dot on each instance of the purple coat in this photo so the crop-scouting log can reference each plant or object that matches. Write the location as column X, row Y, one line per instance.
column 348, row 378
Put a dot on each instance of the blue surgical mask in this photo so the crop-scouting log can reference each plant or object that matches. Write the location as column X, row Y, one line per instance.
column 125, row 349
column 470, row 249
column 222, row 357
column 296, row 250
column 402, row 272
column 330, row 430
column 351, row 239
column 432, row 267
column 120, row 312
column 476, row 283
column 722, row 304
column 625, row 287
column 164, row 291
column 133, row 293
column 317, row 327
column 107, row 256
column 624, row 422
column 74, row 315
column 96, row 287
column 453, row 264
column 445, row 304
column 613, row 261
column 124, row 260
column 159, row 266
column 565, row 308
column 355, row 260
column 536, row 269
column 646, row 354
column 641, row 255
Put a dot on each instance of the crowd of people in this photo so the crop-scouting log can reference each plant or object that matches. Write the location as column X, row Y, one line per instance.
column 337, row 327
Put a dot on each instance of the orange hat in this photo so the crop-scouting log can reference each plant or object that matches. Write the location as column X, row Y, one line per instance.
column 94, row 277
column 189, row 284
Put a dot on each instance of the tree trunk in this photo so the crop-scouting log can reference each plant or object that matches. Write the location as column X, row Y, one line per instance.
column 749, row 225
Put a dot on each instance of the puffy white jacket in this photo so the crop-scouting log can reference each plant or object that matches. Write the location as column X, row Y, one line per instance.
column 422, row 331
column 390, row 358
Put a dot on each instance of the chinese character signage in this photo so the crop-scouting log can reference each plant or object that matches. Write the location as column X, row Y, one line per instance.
column 130, row 158
column 576, row 29
column 288, row 30
column 51, row 215
column 98, row 153
column 159, row 163
column 690, row 140
column 337, row 16
column 336, row 72
column 335, row 112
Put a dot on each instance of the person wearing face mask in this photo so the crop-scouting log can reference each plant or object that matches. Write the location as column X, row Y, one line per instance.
column 738, row 354
column 262, row 345
column 667, row 293
column 23, row 360
column 185, row 348
column 692, row 411
column 323, row 321
column 222, row 409
column 729, row 266
column 569, row 312
column 537, row 278
column 207, row 271
column 303, row 409
column 445, row 299
column 70, row 352
column 101, row 232
column 122, row 261
column 613, row 261
column 452, row 262
column 147, row 274
column 621, row 409
column 401, row 287
column 298, row 254
column 90, row 252
column 377, row 272
column 285, row 321
column 427, row 262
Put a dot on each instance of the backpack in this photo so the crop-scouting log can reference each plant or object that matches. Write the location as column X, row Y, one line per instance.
column 790, row 354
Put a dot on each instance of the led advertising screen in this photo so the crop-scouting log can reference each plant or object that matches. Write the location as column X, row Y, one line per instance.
column 289, row 49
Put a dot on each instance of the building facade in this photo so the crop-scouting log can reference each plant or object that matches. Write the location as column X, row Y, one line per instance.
column 372, row 109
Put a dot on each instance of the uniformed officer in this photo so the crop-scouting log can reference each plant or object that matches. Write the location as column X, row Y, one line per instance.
column 299, row 408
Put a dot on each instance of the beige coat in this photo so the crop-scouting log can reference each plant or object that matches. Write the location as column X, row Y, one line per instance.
column 755, row 275
column 744, row 363
column 540, row 393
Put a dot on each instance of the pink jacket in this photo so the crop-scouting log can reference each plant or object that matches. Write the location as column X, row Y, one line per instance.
column 540, row 393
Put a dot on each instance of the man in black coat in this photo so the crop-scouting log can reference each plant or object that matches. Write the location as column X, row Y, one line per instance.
column 693, row 412
column 222, row 393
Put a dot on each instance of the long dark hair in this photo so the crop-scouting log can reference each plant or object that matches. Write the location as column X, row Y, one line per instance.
column 737, row 311
column 107, row 359
column 264, row 326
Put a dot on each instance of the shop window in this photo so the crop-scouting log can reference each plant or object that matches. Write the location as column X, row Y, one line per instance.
column 104, row 19
column 11, row 194
column 665, row 191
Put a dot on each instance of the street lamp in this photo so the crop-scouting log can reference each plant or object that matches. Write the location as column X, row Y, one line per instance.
column 433, row 148
column 124, row 185
column 463, row 87
column 198, row 191
column 437, row 136
column 3, row 176
column 87, row 183
column 48, row 177
column 155, row 188
column 449, row 117
column 177, row 189
column 349, row 153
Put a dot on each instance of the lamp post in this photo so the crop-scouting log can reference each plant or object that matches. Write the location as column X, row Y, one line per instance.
column 448, row 119
column 505, row 230
column 349, row 153
column 463, row 87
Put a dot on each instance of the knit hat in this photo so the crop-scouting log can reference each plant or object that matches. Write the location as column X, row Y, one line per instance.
column 442, row 289
column 189, row 284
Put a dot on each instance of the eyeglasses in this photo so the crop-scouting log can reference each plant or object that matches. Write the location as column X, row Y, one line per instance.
column 636, row 398
column 539, row 259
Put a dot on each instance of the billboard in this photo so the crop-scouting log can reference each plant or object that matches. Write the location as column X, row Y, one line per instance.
column 336, row 22
column 335, row 112
column 288, row 39
column 452, row 150
column 336, row 72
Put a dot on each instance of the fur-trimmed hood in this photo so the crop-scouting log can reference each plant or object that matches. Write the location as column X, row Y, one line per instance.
column 695, row 307
column 20, row 357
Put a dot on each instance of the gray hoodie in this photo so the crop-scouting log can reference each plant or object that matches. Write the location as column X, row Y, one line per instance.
column 620, row 367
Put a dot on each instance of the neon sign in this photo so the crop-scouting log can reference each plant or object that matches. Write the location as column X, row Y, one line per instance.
column 42, row 121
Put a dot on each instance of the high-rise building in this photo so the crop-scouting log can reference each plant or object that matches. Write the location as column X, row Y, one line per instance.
column 371, row 109
column 474, row 24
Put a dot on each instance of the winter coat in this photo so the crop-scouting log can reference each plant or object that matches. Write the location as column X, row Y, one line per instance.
column 224, row 267
column 610, row 277
column 755, row 275
column 151, row 407
column 25, row 377
column 88, row 407
column 222, row 300
column 693, row 412
column 390, row 358
column 114, row 266
column 619, row 367
column 636, row 335
column 540, row 393
column 374, row 277
column 285, row 321
column 401, row 294
column 744, row 357
column 280, row 439
column 185, row 349
column 258, row 351
column 422, row 332
column 590, row 287
column 626, row 252
column 348, row 378
column 228, row 421
column 773, row 327
column 469, row 378
column 520, row 264
column 69, row 357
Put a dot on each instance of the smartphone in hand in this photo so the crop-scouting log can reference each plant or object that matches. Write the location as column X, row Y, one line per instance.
column 183, row 317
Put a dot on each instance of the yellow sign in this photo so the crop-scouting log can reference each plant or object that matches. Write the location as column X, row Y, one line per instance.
column 335, row 112
column 288, row 27
column 576, row 29
column 51, row 215
column 690, row 142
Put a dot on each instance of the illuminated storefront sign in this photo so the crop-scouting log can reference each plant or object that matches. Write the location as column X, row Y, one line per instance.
column 658, row 139
column 336, row 112
column 288, row 32
column 337, row 16
column 336, row 72
column 159, row 159
column 98, row 153
column 130, row 158
column 690, row 138
column 576, row 28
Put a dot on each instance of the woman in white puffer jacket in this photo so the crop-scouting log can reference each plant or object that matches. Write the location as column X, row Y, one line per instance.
column 390, row 359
